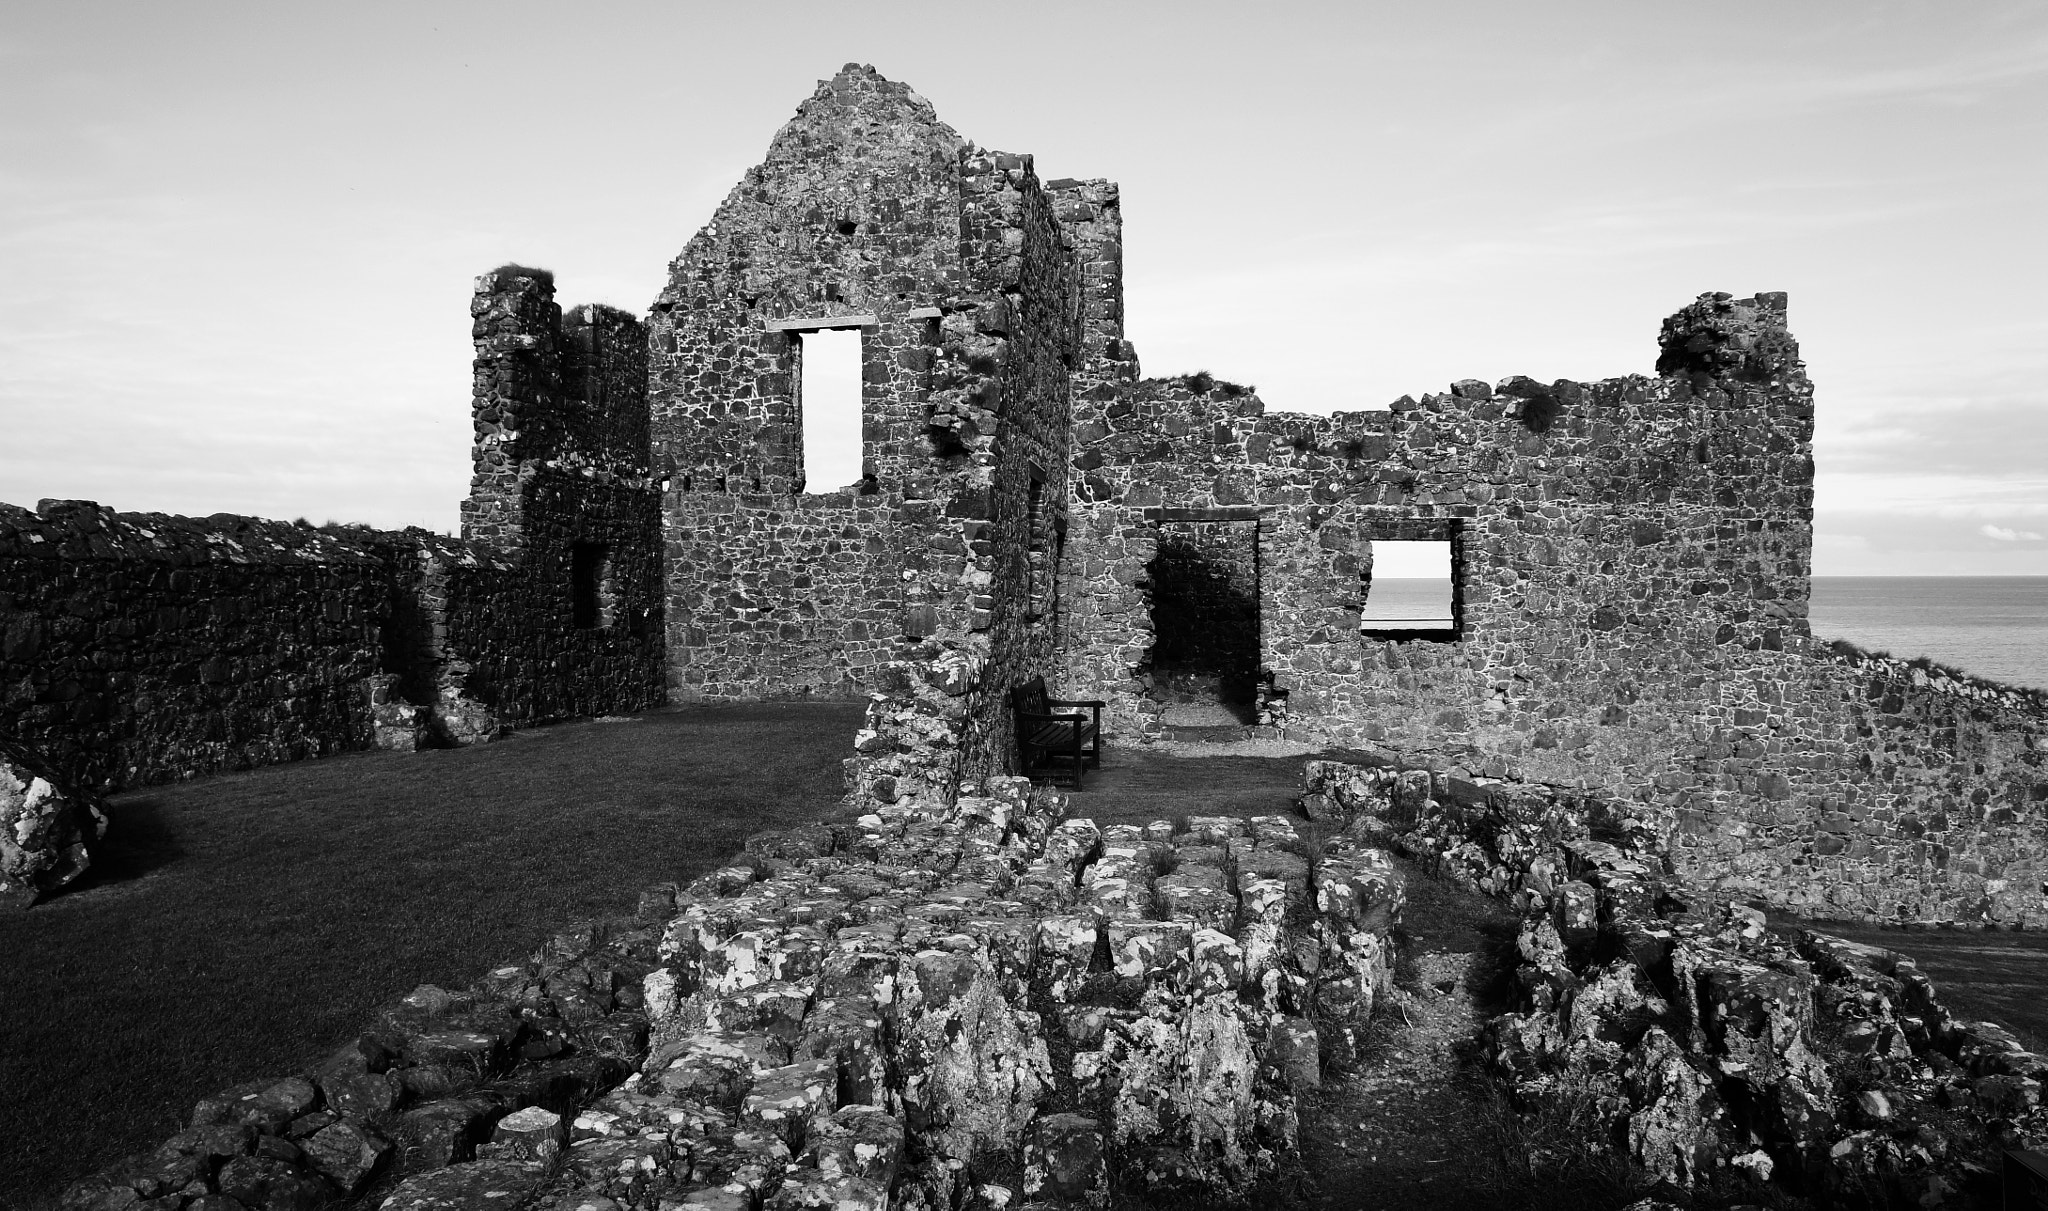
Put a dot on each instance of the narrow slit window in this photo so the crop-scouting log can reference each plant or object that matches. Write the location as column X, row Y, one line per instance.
column 829, row 403
column 1408, row 591
column 591, row 592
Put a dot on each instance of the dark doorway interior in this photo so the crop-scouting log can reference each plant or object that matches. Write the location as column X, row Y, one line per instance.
column 1205, row 619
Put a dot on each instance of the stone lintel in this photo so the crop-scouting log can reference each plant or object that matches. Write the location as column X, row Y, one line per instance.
column 1218, row 513
column 817, row 322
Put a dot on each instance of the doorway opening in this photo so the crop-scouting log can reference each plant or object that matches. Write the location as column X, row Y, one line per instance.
column 1205, row 622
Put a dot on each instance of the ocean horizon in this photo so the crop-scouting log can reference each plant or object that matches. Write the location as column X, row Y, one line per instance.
column 1992, row 626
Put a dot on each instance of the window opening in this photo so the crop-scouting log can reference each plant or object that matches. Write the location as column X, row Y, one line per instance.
column 829, row 408
column 593, row 597
column 1409, row 592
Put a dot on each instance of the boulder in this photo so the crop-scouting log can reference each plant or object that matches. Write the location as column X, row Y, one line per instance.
column 45, row 828
column 273, row 1184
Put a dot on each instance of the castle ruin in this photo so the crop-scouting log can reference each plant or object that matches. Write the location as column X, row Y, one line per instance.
column 1630, row 558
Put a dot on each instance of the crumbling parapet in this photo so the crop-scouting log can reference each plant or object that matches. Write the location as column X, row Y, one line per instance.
column 1719, row 336
column 515, row 326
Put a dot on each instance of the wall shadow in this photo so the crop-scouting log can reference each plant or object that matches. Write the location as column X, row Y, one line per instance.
column 139, row 840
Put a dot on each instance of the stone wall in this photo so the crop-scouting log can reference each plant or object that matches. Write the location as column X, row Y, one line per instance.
column 852, row 219
column 781, row 596
column 1029, row 273
column 520, row 645
column 550, row 394
column 1615, row 521
column 1850, row 786
column 141, row 647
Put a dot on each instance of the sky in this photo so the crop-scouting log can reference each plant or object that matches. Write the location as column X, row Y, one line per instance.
column 237, row 241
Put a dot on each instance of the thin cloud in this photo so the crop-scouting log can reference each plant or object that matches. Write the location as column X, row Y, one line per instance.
column 2007, row 534
column 1952, row 497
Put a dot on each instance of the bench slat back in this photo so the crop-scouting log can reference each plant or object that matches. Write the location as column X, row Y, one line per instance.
column 1029, row 698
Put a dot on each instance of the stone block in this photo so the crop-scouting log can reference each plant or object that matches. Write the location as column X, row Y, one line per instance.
column 346, row 1154
column 784, row 1099
column 532, row 1134
column 266, row 1184
column 468, row 1187
column 857, row 1141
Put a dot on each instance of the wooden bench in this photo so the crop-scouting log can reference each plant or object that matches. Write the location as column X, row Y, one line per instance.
column 1052, row 746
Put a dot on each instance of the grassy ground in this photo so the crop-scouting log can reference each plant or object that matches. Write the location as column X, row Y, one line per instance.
column 244, row 926
column 1139, row 785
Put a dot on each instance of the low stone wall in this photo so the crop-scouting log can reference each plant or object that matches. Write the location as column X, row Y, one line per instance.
column 1825, row 783
column 1708, row 1051
column 919, row 1008
column 1006, row 999
column 1849, row 785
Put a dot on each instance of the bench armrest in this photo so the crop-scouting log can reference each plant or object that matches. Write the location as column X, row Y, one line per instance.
column 1095, row 702
column 1032, row 715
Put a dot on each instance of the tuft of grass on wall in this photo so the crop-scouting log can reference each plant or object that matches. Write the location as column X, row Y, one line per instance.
column 512, row 269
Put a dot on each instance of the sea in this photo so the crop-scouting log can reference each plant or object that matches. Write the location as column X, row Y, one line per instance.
column 1993, row 626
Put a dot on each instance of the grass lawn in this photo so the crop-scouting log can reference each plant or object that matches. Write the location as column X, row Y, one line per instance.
column 1139, row 784
column 246, row 925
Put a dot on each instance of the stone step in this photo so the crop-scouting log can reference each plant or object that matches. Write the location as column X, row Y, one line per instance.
column 1225, row 733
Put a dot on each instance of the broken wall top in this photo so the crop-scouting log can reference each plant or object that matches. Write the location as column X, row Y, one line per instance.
column 81, row 530
column 864, row 175
column 1728, row 425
